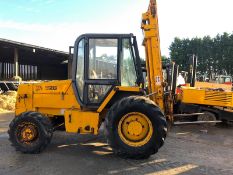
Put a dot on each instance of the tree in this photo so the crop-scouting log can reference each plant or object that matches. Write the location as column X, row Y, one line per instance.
column 215, row 55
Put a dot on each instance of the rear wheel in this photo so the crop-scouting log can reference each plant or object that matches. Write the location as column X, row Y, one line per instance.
column 30, row 132
column 136, row 128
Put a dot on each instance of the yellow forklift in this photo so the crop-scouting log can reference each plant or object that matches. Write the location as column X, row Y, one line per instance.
column 203, row 104
column 107, row 86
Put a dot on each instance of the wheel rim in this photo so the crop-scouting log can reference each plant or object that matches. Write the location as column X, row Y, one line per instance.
column 135, row 129
column 27, row 133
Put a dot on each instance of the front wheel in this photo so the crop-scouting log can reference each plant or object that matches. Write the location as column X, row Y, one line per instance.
column 136, row 127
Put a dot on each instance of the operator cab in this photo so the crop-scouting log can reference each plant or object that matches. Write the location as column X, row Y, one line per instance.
column 103, row 61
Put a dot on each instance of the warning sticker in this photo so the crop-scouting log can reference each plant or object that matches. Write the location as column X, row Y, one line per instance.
column 157, row 80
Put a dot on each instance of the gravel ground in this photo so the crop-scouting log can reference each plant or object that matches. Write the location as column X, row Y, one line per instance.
column 191, row 150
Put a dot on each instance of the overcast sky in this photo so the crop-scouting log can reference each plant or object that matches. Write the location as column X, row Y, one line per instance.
column 57, row 23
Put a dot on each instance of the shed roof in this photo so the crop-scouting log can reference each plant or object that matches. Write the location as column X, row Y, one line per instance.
column 29, row 54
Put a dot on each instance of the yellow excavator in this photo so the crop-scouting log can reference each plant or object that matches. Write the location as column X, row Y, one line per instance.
column 107, row 86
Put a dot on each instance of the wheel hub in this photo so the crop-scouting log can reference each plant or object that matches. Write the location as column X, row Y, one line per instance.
column 28, row 133
column 135, row 129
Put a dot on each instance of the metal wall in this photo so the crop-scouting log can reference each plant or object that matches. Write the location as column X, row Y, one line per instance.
column 26, row 72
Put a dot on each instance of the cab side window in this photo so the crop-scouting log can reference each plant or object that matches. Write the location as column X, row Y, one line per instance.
column 128, row 72
column 80, row 69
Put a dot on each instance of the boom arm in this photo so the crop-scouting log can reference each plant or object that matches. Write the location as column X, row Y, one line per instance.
column 151, row 42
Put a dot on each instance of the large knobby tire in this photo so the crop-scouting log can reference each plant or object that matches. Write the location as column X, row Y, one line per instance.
column 207, row 116
column 135, row 127
column 30, row 132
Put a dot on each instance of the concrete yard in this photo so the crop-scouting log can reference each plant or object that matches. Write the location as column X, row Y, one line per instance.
column 194, row 150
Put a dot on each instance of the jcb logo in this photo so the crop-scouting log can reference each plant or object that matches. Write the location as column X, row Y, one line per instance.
column 51, row 88
column 38, row 88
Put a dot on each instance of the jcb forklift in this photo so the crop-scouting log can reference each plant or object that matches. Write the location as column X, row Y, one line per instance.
column 106, row 86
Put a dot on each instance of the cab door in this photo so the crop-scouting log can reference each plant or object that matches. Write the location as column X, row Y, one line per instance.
column 101, row 68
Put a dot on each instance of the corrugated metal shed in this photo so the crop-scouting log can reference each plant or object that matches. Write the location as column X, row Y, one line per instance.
column 31, row 62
